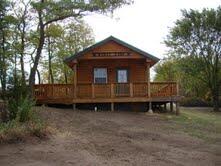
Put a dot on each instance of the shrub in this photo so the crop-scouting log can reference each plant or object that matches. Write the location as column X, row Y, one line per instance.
column 11, row 131
column 21, row 109
column 15, row 131
column 195, row 102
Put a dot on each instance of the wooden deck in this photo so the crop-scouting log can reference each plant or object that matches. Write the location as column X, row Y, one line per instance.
column 105, row 93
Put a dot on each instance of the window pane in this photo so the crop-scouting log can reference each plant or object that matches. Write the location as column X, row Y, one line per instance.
column 100, row 80
column 100, row 75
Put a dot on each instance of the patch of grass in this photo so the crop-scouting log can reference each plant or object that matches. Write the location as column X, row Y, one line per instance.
column 201, row 124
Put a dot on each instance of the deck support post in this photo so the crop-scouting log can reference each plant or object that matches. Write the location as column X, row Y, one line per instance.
column 165, row 106
column 171, row 106
column 150, row 108
column 112, row 106
column 74, row 106
column 177, row 108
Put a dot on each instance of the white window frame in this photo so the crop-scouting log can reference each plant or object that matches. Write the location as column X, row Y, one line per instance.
column 96, row 68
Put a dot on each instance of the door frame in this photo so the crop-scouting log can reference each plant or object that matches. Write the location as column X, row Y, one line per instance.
column 128, row 74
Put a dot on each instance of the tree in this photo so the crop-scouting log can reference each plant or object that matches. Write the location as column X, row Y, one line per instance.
column 61, row 42
column 185, row 72
column 53, row 33
column 52, row 11
column 76, row 37
column 20, row 11
column 166, row 71
column 6, row 21
column 198, row 35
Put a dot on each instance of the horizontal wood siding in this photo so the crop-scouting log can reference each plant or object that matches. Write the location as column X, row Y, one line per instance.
column 137, row 70
column 112, row 47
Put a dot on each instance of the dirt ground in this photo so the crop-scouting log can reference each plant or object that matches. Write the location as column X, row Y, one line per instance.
column 90, row 138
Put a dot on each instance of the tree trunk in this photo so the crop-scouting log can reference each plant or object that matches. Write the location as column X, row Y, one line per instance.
column 216, row 100
column 51, row 77
column 3, row 66
column 38, row 54
column 39, row 77
column 215, row 103
column 65, row 77
column 22, row 57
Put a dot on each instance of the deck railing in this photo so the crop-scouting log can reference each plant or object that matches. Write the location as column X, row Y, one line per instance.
column 113, row 90
column 163, row 89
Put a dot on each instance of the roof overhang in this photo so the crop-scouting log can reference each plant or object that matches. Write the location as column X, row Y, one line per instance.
column 70, row 59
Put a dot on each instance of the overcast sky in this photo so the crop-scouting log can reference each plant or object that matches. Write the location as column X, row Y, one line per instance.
column 145, row 23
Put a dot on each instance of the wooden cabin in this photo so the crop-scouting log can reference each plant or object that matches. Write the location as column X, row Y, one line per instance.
column 110, row 71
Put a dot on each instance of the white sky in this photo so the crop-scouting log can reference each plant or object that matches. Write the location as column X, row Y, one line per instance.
column 145, row 23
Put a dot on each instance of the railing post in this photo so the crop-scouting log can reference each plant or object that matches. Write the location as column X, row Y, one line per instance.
column 177, row 89
column 92, row 90
column 52, row 93
column 131, row 90
column 112, row 90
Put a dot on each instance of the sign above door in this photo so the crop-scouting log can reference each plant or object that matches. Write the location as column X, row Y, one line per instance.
column 110, row 54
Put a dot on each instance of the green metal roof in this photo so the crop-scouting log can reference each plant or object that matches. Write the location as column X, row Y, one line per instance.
column 111, row 38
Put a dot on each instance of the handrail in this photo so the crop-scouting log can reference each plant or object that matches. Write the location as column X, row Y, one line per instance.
column 107, row 90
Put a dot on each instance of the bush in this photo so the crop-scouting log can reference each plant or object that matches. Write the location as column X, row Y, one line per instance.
column 195, row 102
column 22, row 121
column 11, row 132
column 14, row 131
column 21, row 109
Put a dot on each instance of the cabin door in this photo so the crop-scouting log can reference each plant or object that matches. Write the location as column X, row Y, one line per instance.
column 122, row 76
column 122, row 87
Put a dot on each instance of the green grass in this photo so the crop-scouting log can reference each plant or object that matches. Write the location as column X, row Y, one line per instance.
column 201, row 124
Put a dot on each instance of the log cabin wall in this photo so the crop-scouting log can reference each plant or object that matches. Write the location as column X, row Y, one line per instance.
column 137, row 70
column 135, row 63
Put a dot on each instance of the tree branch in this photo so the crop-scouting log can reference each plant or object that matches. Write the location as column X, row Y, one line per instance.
column 63, row 17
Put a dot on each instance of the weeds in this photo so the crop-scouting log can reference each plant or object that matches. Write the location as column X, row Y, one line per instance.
column 201, row 124
column 15, row 131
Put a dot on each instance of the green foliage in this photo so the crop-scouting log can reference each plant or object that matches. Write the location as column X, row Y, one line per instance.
column 195, row 42
column 166, row 71
column 21, row 109
column 64, row 41
column 185, row 71
column 195, row 102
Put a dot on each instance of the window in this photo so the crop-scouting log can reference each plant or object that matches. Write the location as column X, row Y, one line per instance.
column 122, row 76
column 100, row 75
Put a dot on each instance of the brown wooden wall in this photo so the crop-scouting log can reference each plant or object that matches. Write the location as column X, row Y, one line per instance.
column 137, row 69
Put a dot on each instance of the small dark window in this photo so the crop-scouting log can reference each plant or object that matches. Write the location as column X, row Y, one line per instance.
column 100, row 75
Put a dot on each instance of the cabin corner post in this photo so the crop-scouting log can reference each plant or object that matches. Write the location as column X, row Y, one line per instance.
column 75, row 85
column 148, row 79
column 75, row 79
column 177, row 101
column 148, row 86
column 92, row 91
